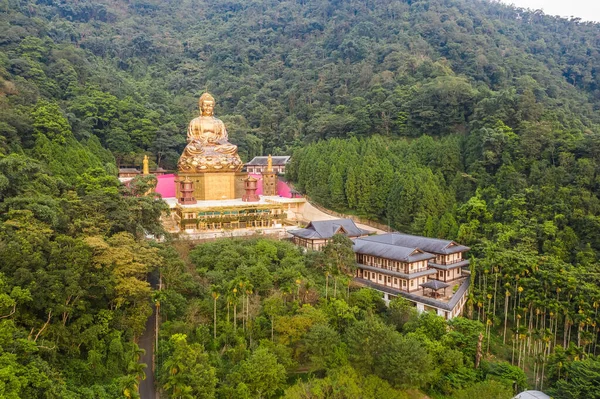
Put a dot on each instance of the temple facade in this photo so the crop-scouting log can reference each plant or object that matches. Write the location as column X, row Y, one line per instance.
column 446, row 261
column 402, row 268
column 211, row 191
column 428, row 272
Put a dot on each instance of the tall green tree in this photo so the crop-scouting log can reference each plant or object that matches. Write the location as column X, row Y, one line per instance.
column 187, row 373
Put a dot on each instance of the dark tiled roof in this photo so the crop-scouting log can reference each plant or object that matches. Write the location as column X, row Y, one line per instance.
column 261, row 161
column 305, row 233
column 434, row 285
column 324, row 229
column 367, row 246
column 433, row 245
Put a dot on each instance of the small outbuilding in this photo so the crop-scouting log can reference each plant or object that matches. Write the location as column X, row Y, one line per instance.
column 434, row 286
column 318, row 233
column 260, row 164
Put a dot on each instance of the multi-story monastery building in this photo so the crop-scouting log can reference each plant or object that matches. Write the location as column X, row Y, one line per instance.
column 426, row 271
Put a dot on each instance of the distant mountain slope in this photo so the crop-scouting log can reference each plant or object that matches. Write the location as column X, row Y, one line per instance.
column 289, row 71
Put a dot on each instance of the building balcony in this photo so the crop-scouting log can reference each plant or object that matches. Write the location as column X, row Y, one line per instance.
column 406, row 276
column 452, row 302
column 393, row 269
column 453, row 265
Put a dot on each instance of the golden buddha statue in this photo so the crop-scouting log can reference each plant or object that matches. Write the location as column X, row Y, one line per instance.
column 145, row 167
column 208, row 149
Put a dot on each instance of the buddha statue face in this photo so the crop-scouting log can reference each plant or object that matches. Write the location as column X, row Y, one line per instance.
column 207, row 107
column 207, row 104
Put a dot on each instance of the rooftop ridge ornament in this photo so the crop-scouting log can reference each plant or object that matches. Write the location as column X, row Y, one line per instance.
column 208, row 148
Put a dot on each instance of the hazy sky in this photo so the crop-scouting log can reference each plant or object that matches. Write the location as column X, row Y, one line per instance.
column 588, row 10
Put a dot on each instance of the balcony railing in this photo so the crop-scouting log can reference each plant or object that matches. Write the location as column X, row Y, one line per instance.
column 395, row 269
column 460, row 263
column 447, row 263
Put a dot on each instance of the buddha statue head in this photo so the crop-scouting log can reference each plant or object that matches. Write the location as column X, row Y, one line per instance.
column 207, row 104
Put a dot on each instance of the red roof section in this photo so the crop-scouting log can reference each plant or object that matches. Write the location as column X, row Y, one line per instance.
column 166, row 186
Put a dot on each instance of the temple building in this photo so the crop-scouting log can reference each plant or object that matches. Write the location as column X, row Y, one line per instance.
column 128, row 173
column 318, row 233
column 447, row 260
column 261, row 164
column 403, row 268
column 425, row 271
column 212, row 193
column 428, row 272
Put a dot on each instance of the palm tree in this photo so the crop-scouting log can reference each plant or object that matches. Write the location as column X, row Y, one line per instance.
column 506, row 296
column 339, row 257
column 215, row 295
column 248, row 293
column 130, row 384
column 234, row 296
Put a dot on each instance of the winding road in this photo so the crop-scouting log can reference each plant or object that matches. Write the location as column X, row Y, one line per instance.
column 146, row 342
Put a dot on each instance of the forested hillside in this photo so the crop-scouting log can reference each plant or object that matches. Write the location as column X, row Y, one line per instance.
column 287, row 72
column 461, row 119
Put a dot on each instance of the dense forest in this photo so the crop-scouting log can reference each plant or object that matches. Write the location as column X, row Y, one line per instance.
column 462, row 119
column 260, row 319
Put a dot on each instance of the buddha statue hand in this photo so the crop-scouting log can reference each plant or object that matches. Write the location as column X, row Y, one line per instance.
column 195, row 147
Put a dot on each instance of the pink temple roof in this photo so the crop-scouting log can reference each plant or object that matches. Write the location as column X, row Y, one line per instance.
column 166, row 186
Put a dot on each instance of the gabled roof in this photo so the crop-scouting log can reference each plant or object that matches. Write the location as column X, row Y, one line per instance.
column 432, row 245
column 277, row 161
column 324, row 229
column 390, row 251
column 434, row 285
